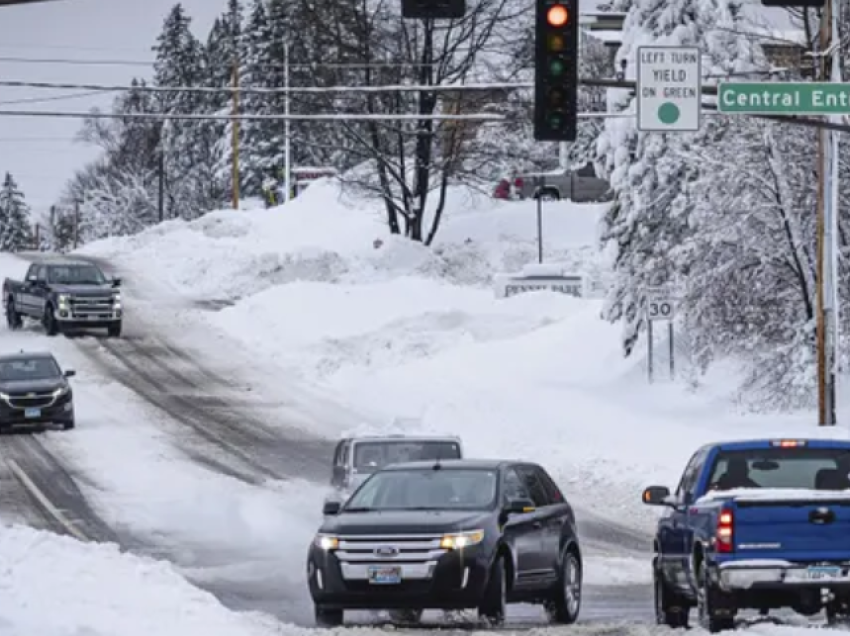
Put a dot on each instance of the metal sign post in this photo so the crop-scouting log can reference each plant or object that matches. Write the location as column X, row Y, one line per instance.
column 660, row 307
column 538, row 188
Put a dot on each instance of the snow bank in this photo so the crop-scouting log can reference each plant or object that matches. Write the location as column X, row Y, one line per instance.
column 57, row 586
column 325, row 236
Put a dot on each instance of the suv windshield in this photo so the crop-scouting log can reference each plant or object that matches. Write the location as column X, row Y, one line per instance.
column 427, row 489
column 807, row 468
column 32, row 369
column 75, row 275
column 371, row 456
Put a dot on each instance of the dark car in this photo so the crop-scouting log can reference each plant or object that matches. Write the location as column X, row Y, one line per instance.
column 34, row 392
column 65, row 296
column 451, row 535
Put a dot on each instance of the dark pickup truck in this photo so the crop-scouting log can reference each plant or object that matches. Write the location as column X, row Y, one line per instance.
column 65, row 296
column 761, row 525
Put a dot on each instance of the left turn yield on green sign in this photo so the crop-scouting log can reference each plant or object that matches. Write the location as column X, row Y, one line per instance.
column 669, row 89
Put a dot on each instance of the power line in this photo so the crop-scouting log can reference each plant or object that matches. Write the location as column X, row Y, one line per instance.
column 256, row 90
column 57, row 60
column 18, row 140
column 55, row 98
column 149, row 63
column 480, row 117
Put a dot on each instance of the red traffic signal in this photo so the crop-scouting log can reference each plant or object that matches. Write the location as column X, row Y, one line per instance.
column 558, row 16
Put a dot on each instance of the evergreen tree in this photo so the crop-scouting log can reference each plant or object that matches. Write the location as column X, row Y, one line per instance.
column 187, row 146
column 256, row 71
column 15, row 228
column 224, row 53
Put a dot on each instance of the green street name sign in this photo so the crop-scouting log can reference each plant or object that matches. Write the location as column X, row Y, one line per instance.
column 783, row 98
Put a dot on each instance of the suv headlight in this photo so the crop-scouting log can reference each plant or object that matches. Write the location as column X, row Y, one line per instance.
column 462, row 540
column 62, row 390
column 63, row 299
column 326, row 542
column 116, row 299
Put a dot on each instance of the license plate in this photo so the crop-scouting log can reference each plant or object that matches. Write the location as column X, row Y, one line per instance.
column 823, row 572
column 384, row 576
column 31, row 413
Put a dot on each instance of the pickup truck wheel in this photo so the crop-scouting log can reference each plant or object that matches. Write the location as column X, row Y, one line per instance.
column 708, row 600
column 566, row 601
column 326, row 617
column 13, row 319
column 492, row 607
column 406, row 616
column 671, row 609
column 51, row 327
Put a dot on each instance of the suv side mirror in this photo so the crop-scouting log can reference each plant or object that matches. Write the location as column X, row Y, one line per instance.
column 657, row 496
column 70, row 373
column 116, row 282
column 331, row 507
column 518, row 506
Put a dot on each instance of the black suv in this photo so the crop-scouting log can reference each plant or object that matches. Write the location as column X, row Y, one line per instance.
column 450, row 535
column 34, row 392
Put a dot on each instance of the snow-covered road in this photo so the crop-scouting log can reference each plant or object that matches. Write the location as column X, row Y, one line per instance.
column 195, row 452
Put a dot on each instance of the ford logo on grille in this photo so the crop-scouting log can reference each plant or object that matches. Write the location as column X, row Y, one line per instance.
column 386, row 551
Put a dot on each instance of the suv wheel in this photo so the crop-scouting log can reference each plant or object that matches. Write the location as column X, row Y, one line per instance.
column 492, row 607
column 326, row 617
column 566, row 601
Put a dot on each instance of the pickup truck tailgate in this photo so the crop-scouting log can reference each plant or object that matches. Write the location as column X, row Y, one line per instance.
column 816, row 527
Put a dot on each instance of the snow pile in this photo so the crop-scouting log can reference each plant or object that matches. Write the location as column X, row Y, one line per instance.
column 57, row 586
column 325, row 237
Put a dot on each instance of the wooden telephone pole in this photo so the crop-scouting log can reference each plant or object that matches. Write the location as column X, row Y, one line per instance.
column 827, row 302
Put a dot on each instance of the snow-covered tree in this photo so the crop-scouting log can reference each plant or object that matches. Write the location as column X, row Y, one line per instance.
column 188, row 148
column 15, row 228
column 650, row 215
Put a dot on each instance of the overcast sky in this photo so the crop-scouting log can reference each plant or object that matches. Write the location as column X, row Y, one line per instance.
column 40, row 152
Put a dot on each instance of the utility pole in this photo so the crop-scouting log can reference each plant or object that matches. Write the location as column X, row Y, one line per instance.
column 76, row 223
column 287, row 162
column 160, row 203
column 234, row 137
column 827, row 230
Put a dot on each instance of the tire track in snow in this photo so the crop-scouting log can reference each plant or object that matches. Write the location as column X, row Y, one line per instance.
column 52, row 496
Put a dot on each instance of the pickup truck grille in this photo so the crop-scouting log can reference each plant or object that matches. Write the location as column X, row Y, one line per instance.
column 31, row 400
column 85, row 306
column 416, row 555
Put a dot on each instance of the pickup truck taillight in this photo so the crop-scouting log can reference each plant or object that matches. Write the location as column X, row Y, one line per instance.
column 725, row 534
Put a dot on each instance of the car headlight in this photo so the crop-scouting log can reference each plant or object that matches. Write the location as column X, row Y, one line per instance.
column 63, row 299
column 462, row 540
column 4, row 397
column 62, row 390
column 326, row 542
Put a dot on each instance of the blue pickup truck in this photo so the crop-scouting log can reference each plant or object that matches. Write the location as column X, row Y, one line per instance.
column 759, row 525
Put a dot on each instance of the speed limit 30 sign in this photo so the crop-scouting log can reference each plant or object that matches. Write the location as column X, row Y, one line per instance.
column 660, row 307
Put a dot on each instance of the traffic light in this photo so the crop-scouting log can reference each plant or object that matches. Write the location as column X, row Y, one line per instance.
column 556, row 70
column 433, row 9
